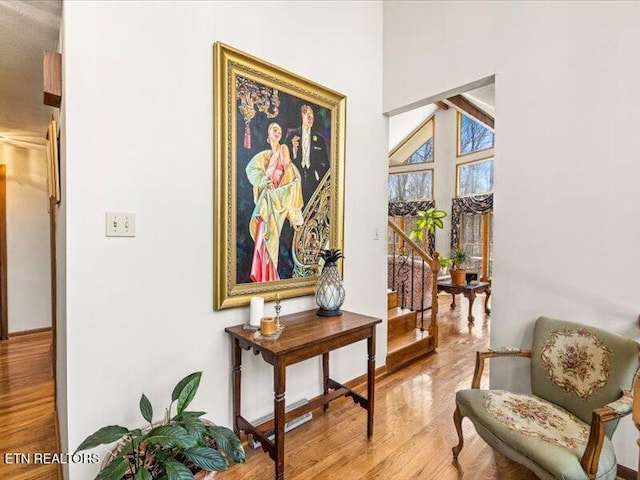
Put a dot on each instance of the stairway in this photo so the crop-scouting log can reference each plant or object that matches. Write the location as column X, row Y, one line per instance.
column 405, row 341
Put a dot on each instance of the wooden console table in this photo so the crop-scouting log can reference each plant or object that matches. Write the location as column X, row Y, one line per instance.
column 306, row 335
column 468, row 291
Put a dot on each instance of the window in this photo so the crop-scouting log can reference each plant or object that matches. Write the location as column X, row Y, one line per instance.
column 411, row 186
column 477, row 241
column 474, row 177
column 409, row 177
column 473, row 136
column 423, row 154
column 416, row 148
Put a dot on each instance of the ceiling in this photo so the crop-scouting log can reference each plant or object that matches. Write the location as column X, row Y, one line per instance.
column 27, row 29
column 484, row 98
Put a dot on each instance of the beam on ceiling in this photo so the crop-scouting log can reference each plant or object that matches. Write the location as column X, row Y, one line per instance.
column 465, row 106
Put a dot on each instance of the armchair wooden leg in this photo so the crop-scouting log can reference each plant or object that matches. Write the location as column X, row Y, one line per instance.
column 457, row 421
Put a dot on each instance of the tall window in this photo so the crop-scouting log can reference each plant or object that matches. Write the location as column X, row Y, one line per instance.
column 410, row 177
column 473, row 136
column 476, row 240
column 474, row 177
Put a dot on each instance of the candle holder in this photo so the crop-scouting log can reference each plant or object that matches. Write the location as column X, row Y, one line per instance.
column 278, row 307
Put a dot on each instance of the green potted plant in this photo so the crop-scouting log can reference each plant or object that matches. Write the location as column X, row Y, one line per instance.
column 427, row 222
column 458, row 274
column 183, row 446
column 445, row 263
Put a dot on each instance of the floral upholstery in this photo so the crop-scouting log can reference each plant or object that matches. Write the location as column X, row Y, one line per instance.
column 577, row 361
column 575, row 369
column 580, row 368
column 534, row 417
column 528, row 430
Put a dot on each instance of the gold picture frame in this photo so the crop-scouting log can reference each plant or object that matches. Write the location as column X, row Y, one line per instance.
column 53, row 166
column 279, row 143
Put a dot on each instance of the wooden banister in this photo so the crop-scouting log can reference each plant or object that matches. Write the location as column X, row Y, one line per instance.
column 434, row 265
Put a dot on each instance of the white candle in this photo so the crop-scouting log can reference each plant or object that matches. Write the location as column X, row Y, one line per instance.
column 256, row 311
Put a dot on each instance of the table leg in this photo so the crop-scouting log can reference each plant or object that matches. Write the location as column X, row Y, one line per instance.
column 453, row 300
column 471, row 296
column 325, row 377
column 237, row 375
column 486, row 302
column 279, row 386
column 371, row 379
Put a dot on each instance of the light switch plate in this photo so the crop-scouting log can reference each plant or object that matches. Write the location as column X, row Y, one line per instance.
column 119, row 224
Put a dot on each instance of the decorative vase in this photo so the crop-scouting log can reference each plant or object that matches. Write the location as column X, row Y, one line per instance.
column 329, row 291
column 458, row 277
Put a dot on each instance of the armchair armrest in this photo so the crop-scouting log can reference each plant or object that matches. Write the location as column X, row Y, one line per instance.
column 492, row 353
column 600, row 416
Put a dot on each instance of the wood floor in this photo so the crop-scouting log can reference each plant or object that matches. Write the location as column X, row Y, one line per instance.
column 413, row 429
column 413, row 432
column 26, row 406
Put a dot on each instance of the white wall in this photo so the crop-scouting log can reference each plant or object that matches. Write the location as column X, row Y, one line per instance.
column 28, row 274
column 139, row 92
column 61, row 266
column 566, row 170
column 401, row 125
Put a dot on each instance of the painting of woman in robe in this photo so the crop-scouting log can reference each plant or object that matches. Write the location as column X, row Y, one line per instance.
column 277, row 193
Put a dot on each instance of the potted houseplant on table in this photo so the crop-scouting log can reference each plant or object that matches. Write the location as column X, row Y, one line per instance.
column 182, row 447
column 458, row 275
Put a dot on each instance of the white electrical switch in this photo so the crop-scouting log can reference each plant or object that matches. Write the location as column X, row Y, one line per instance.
column 121, row 224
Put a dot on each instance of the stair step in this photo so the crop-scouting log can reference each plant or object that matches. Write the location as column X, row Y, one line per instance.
column 406, row 347
column 400, row 320
column 392, row 299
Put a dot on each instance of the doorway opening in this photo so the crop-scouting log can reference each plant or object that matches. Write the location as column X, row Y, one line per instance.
column 441, row 155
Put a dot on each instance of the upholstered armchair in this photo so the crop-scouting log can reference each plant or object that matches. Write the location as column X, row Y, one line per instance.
column 562, row 430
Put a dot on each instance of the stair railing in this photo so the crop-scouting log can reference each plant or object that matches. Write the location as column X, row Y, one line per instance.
column 405, row 254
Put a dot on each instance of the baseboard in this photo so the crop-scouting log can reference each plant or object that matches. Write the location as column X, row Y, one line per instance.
column 626, row 473
column 29, row 332
column 381, row 372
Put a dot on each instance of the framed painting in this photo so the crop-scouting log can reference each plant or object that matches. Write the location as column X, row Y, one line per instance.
column 53, row 166
column 278, row 178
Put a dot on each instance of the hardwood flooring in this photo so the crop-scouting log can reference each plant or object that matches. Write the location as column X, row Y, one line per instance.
column 27, row 422
column 413, row 427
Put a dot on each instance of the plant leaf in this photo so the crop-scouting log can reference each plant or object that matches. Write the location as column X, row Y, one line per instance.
column 177, row 471
column 207, row 458
column 228, row 442
column 438, row 223
column 171, row 436
column 439, row 214
column 185, row 390
column 143, row 474
column 106, row 434
column 194, row 426
column 115, row 470
column 190, row 414
column 146, row 409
